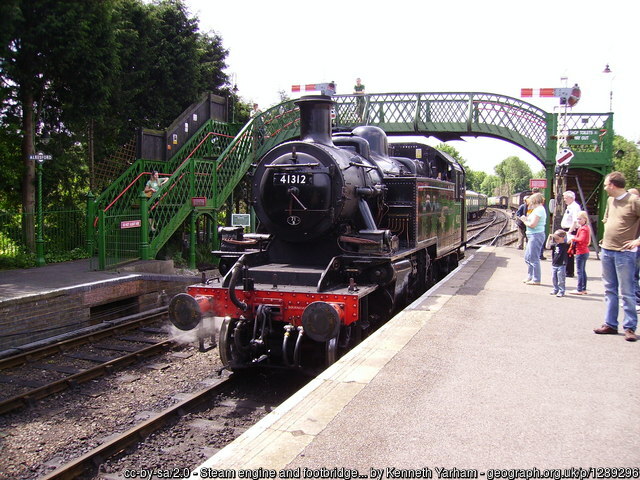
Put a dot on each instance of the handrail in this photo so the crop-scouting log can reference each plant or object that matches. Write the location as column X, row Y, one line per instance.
column 106, row 209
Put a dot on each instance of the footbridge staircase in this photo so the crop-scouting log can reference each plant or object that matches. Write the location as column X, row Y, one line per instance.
column 210, row 162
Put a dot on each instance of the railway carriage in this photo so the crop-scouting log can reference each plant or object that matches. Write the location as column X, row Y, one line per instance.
column 349, row 234
column 516, row 199
column 501, row 201
column 476, row 204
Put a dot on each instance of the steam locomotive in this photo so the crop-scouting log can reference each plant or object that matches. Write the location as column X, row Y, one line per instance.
column 350, row 235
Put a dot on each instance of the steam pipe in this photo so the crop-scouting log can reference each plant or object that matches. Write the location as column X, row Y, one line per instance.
column 296, row 351
column 365, row 211
column 235, row 275
column 285, row 341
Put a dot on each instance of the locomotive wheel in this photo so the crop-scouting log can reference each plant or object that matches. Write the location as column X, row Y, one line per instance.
column 225, row 341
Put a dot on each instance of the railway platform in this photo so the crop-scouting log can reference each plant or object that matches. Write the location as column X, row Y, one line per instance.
column 483, row 376
column 37, row 304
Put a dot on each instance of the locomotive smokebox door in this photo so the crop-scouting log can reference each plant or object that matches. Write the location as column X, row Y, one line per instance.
column 184, row 312
column 321, row 321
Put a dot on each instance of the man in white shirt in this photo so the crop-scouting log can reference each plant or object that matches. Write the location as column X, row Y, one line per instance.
column 569, row 222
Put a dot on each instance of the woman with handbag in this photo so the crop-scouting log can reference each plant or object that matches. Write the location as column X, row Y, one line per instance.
column 535, row 223
column 581, row 242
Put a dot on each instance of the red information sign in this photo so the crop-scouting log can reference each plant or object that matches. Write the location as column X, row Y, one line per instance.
column 538, row 183
column 130, row 224
column 198, row 201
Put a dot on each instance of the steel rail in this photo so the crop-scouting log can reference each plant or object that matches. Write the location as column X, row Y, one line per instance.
column 28, row 398
column 58, row 347
column 98, row 455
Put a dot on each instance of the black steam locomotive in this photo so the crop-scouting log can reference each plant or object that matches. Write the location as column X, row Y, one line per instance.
column 351, row 235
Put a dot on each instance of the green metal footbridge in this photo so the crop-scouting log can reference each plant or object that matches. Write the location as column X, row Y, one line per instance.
column 202, row 174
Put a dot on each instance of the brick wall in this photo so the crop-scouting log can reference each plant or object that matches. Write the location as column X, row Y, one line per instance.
column 40, row 316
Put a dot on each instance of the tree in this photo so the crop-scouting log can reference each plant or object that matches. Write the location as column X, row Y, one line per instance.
column 89, row 74
column 626, row 159
column 475, row 179
column 514, row 174
column 490, row 185
column 54, row 57
column 453, row 152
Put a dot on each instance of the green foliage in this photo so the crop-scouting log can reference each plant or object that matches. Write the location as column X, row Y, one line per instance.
column 116, row 65
column 514, row 175
column 453, row 152
column 28, row 260
column 18, row 260
column 540, row 174
column 490, row 185
column 626, row 160
column 475, row 179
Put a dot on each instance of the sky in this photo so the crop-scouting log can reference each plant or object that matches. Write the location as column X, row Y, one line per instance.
column 493, row 46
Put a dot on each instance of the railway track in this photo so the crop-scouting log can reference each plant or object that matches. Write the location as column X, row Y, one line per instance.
column 91, row 460
column 183, row 435
column 33, row 375
column 497, row 228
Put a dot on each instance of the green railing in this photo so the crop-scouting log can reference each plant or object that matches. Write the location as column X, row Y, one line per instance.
column 210, row 165
column 64, row 234
column 215, row 179
column 122, row 198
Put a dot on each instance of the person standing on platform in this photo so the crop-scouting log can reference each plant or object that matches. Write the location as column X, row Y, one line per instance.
column 569, row 222
column 558, row 243
column 635, row 191
column 581, row 242
column 619, row 246
column 537, row 190
column 522, row 228
column 535, row 223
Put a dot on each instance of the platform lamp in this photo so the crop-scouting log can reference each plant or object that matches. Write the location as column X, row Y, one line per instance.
column 608, row 70
column 40, row 158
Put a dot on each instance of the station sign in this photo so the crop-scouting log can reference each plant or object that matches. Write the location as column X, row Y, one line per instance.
column 584, row 137
column 538, row 183
column 198, row 201
column 40, row 157
column 130, row 224
column 240, row 220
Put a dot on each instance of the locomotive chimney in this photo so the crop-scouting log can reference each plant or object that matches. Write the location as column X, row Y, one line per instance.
column 315, row 119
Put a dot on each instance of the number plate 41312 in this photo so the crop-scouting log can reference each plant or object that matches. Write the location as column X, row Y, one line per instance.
column 292, row 179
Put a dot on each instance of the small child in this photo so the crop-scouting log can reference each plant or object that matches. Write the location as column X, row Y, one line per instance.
column 558, row 243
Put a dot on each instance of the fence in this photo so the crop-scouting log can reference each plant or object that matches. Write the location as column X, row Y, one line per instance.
column 64, row 234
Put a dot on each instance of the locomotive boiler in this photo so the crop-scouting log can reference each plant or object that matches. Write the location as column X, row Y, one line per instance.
column 349, row 235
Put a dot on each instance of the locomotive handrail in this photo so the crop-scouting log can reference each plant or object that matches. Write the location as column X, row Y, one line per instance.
column 291, row 165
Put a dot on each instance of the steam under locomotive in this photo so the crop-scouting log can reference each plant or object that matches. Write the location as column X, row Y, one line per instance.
column 351, row 235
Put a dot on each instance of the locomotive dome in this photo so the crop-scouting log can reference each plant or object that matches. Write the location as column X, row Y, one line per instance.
column 376, row 137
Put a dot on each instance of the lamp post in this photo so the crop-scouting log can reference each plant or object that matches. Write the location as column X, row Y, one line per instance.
column 608, row 71
column 39, row 158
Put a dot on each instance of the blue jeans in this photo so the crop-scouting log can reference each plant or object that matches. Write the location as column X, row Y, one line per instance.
column 532, row 255
column 638, row 277
column 618, row 271
column 559, row 276
column 581, row 263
